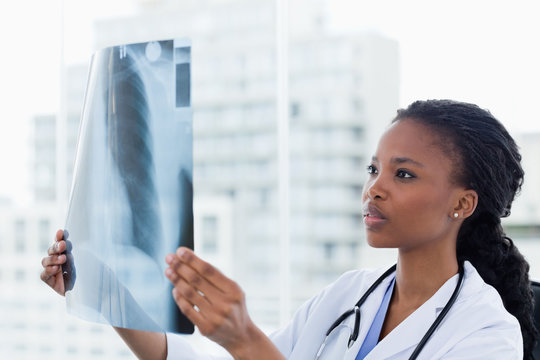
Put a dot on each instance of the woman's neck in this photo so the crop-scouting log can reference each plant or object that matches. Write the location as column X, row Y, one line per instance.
column 421, row 273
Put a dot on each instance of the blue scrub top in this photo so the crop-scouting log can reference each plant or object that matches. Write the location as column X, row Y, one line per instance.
column 372, row 337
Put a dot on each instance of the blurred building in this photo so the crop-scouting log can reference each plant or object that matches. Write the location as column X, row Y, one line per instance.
column 43, row 177
column 34, row 321
column 526, row 209
column 343, row 90
column 523, row 226
column 34, row 324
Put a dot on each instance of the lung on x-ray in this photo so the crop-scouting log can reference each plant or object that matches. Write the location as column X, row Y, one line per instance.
column 132, row 196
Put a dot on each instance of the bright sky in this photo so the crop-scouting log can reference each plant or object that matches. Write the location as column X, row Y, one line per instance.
column 29, row 81
column 480, row 51
column 30, row 35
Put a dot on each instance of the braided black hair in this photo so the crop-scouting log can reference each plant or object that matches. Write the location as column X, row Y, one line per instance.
column 486, row 159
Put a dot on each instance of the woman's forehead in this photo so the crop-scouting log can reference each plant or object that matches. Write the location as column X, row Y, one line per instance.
column 412, row 140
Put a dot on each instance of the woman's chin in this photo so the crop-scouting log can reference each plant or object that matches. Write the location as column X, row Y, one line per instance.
column 378, row 242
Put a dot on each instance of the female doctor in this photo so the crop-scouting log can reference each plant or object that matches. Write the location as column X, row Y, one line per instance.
column 443, row 175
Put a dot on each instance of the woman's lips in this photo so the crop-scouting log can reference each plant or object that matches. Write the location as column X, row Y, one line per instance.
column 373, row 217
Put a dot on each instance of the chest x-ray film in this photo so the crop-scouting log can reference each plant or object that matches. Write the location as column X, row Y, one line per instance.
column 131, row 200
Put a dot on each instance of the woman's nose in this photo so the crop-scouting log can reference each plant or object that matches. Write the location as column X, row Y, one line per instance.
column 375, row 189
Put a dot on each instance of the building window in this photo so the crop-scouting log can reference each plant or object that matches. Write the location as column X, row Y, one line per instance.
column 20, row 275
column 209, row 233
column 46, row 349
column 358, row 133
column 264, row 196
column 21, row 347
column 329, row 250
column 20, row 235
column 97, row 352
column 357, row 220
column 44, row 234
column 353, row 250
column 295, row 109
column 357, row 105
column 356, row 191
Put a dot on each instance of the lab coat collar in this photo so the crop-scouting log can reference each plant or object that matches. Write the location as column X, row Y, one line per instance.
column 411, row 330
column 370, row 307
column 367, row 310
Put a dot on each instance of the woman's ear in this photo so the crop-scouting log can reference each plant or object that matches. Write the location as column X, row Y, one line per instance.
column 466, row 204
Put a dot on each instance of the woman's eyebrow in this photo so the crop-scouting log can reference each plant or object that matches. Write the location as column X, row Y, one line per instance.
column 401, row 160
column 404, row 160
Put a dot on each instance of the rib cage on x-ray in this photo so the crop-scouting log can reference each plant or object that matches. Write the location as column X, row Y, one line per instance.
column 130, row 143
column 131, row 201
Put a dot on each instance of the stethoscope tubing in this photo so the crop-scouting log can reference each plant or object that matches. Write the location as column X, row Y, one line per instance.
column 359, row 303
column 441, row 316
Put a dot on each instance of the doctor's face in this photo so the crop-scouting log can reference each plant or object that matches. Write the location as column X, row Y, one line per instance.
column 409, row 196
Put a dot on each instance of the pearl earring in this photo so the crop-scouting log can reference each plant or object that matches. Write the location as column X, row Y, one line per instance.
column 456, row 215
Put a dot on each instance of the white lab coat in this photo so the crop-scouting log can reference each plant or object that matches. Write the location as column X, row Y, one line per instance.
column 476, row 327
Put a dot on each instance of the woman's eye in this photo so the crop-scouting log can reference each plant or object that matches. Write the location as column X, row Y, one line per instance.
column 371, row 169
column 404, row 174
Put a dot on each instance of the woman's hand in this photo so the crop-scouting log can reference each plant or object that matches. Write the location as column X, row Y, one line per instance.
column 52, row 264
column 217, row 306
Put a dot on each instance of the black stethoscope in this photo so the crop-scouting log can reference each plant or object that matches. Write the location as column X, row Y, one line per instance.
column 356, row 311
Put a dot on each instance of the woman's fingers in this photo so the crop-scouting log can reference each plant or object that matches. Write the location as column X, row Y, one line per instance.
column 52, row 273
column 57, row 248
column 208, row 321
column 213, row 302
column 52, row 264
column 181, row 271
column 216, row 305
column 197, row 298
column 204, row 269
column 193, row 303
column 201, row 276
column 53, row 260
column 190, row 311
column 214, row 308
column 49, row 272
